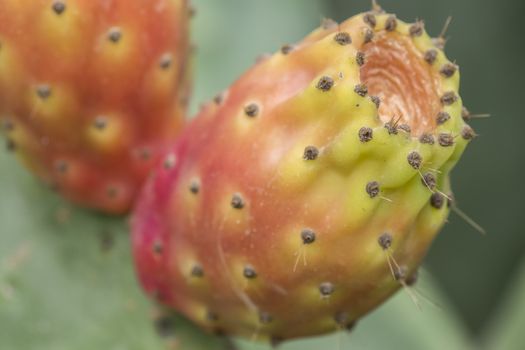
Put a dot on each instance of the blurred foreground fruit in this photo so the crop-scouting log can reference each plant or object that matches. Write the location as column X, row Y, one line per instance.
column 92, row 92
column 308, row 192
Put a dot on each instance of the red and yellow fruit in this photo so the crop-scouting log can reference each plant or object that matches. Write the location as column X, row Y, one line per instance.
column 310, row 191
column 92, row 92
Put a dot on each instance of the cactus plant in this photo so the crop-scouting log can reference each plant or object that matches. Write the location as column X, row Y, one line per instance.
column 308, row 192
column 91, row 92
column 66, row 279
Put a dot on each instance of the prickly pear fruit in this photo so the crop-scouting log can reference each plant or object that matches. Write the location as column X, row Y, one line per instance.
column 92, row 92
column 308, row 192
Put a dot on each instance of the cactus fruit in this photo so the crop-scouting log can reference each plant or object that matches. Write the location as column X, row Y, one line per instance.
column 92, row 92
column 309, row 191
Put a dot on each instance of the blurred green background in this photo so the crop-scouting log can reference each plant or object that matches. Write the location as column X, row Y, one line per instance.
column 66, row 279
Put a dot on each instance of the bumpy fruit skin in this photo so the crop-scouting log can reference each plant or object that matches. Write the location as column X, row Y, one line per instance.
column 93, row 91
column 283, row 205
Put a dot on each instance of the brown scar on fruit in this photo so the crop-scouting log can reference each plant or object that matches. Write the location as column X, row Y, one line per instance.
column 286, row 49
column 343, row 38
column 429, row 180
column 391, row 23
column 43, row 91
column 372, row 188
column 427, row 139
column 467, row 133
column 310, row 153
column 361, row 90
column 326, row 289
column 392, row 126
column 445, row 139
column 385, row 240
column 430, row 56
column 376, row 100
column 417, row 28
column 414, row 159
column 368, row 35
column 165, row 61
column 197, row 271
column 437, row 200
column 370, row 19
column 412, row 279
column 114, row 34
column 366, row 134
column 237, row 202
column 448, row 70
column 249, row 272
column 194, row 186
column 325, row 83
column 251, row 110
column 342, row 319
column 58, row 7
column 360, row 58
column 219, row 98
column 442, row 118
column 100, row 123
column 449, row 98
column 169, row 161
column 308, row 236
column 405, row 127
column 157, row 247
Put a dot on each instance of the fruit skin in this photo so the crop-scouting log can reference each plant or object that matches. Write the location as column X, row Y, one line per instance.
column 293, row 205
column 93, row 92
